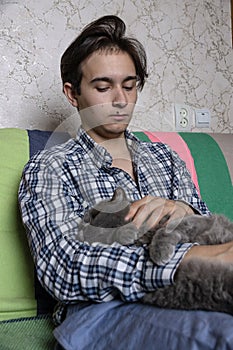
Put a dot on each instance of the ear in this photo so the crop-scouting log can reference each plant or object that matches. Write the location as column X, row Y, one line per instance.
column 70, row 94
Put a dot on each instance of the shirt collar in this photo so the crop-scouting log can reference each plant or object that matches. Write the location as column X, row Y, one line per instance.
column 98, row 154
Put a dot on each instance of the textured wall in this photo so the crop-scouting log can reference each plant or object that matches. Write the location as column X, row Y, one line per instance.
column 189, row 49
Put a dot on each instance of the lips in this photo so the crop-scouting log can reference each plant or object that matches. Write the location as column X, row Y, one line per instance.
column 119, row 116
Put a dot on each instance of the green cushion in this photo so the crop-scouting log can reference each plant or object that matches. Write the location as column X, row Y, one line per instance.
column 213, row 173
column 16, row 267
column 25, row 334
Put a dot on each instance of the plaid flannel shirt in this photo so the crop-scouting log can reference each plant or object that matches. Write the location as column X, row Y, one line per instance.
column 59, row 184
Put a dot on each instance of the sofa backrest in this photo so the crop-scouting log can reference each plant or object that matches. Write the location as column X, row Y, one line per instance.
column 20, row 293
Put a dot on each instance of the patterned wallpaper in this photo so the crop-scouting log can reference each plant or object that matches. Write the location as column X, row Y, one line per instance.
column 189, row 48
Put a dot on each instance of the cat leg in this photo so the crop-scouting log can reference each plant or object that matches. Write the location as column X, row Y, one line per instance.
column 162, row 246
column 145, row 237
column 126, row 234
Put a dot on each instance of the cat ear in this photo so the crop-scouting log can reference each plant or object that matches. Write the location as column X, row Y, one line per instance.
column 93, row 213
column 86, row 217
column 119, row 194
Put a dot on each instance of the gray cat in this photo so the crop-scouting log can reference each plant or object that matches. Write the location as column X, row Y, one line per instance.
column 108, row 216
column 199, row 284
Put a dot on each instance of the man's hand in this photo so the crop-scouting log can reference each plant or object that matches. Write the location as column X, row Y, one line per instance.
column 148, row 211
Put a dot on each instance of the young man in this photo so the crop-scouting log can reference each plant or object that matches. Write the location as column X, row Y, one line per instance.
column 102, row 71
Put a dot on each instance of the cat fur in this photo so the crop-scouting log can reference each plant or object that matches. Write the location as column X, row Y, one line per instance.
column 199, row 283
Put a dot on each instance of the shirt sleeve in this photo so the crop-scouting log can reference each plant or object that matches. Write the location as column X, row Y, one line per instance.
column 71, row 270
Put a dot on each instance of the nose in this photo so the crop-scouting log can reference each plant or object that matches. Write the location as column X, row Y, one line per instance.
column 120, row 98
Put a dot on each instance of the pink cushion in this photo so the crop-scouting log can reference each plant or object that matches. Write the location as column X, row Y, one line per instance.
column 177, row 144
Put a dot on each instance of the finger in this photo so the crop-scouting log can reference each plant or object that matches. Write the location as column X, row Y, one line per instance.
column 159, row 216
column 134, row 207
column 151, row 213
column 179, row 211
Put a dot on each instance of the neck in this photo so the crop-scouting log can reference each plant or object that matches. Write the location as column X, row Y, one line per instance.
column 118, row 149
column 115, row 143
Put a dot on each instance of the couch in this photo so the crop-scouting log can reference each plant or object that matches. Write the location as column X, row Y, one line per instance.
column 25, row 308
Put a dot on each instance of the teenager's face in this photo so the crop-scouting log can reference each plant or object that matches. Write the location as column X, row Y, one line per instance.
column 108, row 94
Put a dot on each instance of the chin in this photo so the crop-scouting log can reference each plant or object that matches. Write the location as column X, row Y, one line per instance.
column 116, row 128
column 111, row 130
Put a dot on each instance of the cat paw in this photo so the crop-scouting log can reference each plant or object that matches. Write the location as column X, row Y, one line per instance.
column 162, row 254
column 162, row 246
column 127, row 234
column 127, row 239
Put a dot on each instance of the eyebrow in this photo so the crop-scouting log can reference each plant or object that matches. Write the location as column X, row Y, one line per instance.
column 110, row 80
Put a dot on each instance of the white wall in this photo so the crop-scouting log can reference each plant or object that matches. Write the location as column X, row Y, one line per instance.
column 189, row 49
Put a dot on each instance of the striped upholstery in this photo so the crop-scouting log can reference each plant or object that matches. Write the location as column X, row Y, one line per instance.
column 210, row 159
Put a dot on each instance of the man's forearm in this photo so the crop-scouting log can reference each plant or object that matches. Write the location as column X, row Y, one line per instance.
column 221, row 252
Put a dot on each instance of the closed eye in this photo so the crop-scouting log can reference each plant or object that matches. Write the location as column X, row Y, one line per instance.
column 128, row 88
column 102, row 89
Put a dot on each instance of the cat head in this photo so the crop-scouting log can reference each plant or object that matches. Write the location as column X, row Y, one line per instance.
column 110, row 213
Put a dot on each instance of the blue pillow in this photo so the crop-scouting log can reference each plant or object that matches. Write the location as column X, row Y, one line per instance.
column 39, row 140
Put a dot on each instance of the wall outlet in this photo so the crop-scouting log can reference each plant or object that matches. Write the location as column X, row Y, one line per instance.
column 183, row 117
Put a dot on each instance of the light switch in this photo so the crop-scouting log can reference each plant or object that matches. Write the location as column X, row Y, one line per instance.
column 202, row 117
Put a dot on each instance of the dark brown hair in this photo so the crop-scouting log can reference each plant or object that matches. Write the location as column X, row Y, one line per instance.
column 106, row 33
